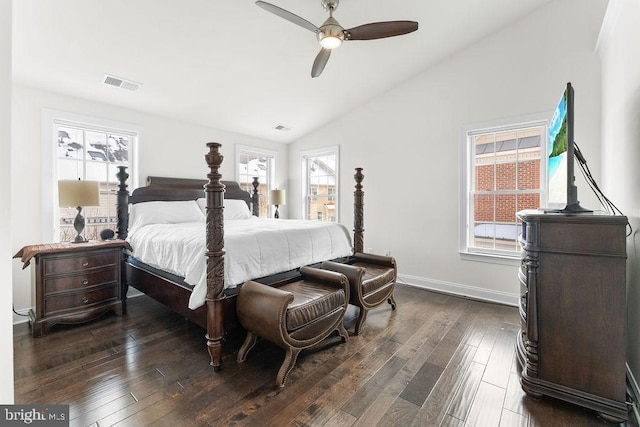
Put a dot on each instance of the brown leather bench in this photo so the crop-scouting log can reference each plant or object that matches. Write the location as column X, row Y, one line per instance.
column 372, row 279
column 294, row 316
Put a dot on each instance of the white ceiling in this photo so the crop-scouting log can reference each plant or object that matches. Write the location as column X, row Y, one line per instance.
column 233, row 66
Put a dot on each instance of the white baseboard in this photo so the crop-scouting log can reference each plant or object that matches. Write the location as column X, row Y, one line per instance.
column 22, row 317
column 460, row 290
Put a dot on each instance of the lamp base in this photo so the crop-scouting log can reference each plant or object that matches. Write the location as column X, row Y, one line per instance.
column 78, row 224
column 276, row 215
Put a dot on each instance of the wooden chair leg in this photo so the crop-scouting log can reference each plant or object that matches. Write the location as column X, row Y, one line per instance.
column 392, row 301
column 287, row 365
column 361, row 318
column 247, row 345
column 342, row 332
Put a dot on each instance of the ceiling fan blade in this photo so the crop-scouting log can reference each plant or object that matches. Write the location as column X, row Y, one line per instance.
column 379, row 30
column 288, row 16
column 320, row 62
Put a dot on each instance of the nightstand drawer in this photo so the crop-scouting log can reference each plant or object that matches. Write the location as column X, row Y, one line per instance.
column 53, row 285
column 80, row 262
column 69, row 301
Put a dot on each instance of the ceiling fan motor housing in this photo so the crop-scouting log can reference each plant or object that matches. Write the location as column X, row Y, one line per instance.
column 331, row 30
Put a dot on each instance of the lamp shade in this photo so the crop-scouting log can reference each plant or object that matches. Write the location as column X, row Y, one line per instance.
column 277, row 197
column 73, row 193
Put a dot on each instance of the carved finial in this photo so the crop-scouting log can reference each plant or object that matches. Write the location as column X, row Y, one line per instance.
column 359, row 176
column 122, row 176
column 214, row 157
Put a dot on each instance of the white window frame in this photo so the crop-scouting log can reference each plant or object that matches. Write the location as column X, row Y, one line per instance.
column 304, row 156
column 51, row 119
column 466, row 251
column 272, row 155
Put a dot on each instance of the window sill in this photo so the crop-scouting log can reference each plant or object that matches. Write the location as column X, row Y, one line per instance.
column 491, row 258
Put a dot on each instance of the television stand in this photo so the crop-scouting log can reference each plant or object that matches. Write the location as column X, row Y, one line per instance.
column 571, row 345
column 573, row 208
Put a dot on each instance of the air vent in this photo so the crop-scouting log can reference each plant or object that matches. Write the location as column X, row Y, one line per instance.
column 283, row 128
column 118, row 82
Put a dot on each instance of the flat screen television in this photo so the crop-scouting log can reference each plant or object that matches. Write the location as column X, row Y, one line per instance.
column 561, row 187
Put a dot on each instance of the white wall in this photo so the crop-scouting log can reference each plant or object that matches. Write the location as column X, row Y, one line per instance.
column 620, row 51
column 407, row 140
column 6, row 329
column 168, row 148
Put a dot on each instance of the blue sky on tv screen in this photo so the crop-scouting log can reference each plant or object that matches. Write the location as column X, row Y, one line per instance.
column 559, row 116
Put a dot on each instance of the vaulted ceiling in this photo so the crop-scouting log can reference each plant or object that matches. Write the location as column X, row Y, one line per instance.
column 230, row 64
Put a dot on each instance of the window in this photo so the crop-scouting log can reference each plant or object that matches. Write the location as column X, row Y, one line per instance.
column 256, row 162
column 320, row 184
column 504, row 175
column 91, row 154
column 79, row 147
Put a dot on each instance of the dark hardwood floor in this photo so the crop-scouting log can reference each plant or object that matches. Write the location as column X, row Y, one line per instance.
column 438, row 360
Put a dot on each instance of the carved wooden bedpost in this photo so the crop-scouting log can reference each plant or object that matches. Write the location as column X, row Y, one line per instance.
column 122, row 227
column 255, row 197
column 358, row 213
column 214, row 190
column 122, row 212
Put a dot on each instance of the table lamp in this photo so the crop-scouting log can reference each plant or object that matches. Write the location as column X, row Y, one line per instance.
column 77, row 193
column 277, row 198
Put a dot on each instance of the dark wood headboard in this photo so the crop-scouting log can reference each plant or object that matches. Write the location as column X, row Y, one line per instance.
column 167, row 189
column 161, row 188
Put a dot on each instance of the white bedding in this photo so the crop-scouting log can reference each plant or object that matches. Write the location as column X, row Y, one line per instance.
column 254, row 248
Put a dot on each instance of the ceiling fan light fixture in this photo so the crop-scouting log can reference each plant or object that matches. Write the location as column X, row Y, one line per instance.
column 331, row 34
column 329, row 41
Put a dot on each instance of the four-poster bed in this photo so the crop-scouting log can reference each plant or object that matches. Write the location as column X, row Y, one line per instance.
column 171, row 290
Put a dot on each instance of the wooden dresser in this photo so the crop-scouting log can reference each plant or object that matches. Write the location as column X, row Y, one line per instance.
column 74, row 282
column 573, row 310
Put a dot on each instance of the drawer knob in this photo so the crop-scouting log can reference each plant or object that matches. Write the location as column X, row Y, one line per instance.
column 85, row 263
column 85, row 300
column 85, row 282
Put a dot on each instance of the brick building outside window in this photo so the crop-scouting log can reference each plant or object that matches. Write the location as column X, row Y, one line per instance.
column 505, row 176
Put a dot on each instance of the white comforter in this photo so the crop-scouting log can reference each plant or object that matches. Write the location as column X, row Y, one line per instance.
column 254, row 248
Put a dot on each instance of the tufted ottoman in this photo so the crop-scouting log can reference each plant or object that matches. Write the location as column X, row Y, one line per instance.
column 294, row 316
column 372, row 279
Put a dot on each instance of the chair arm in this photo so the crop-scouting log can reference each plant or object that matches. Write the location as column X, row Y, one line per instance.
column 261, row 309
column 376, row 259
column 325, row 276
column 354, row 274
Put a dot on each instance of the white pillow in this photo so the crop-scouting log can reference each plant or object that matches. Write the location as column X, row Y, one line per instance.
column 202, row 204
column 164, row 213
column 233, row 208
column 236, row 209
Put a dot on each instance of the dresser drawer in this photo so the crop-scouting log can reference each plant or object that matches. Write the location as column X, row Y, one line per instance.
column 81, row 281
column 80, row 262
column 73, row 300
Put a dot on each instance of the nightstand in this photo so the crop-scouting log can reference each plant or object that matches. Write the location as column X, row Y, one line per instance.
column 74, row 282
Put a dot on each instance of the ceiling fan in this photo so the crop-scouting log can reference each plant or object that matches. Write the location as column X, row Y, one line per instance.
column 331, row 34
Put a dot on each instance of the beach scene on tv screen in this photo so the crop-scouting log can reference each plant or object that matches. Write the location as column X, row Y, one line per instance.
column 557, row 149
